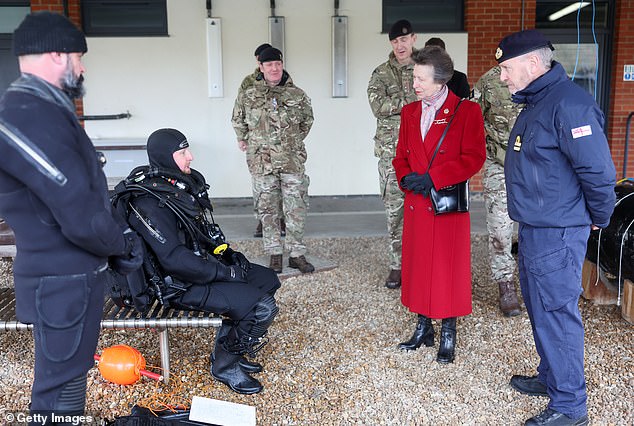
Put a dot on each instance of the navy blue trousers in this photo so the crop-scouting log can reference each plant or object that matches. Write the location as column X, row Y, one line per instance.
column 550, row 263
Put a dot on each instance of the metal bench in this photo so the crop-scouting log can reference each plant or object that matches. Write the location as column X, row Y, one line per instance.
column 118, row 318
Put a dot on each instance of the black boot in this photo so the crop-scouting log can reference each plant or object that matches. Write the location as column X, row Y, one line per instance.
column 424, row 333
column 446, row 351
column 245, row 364
column 226, row 369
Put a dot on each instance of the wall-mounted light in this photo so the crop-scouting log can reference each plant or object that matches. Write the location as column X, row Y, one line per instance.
column 214, row 57
column 339, row 56
column 567, row 10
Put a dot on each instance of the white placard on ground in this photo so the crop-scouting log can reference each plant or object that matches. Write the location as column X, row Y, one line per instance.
column 213, row 411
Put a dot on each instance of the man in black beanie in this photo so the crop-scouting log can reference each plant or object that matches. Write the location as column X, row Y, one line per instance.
column 54, row 196
column 390, row 88
column 173, row 215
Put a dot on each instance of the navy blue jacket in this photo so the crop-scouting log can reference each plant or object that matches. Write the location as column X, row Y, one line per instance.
column 59, row 229
column 558, row 167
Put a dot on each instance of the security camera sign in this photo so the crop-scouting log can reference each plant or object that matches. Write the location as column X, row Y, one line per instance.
column 628, row 73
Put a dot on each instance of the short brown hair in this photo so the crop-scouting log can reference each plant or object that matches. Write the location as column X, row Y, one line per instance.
column 440, row 61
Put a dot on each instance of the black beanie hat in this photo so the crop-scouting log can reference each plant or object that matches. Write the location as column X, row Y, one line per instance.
column 270, row 54
column 45, row 31
column 162, row 144
column 400, row 28
column 261, row 48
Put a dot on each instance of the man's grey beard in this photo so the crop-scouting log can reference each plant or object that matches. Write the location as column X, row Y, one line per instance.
column 73, row 86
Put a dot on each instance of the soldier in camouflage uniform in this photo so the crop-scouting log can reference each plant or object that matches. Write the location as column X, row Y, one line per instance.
column 272, row 118
column 499, row 116
column 391, row 87
column 251, row 78
column 246, row 83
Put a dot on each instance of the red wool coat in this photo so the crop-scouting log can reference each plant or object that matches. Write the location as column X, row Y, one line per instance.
column 436, row 263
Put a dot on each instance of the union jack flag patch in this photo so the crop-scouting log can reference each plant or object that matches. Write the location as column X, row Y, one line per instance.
column 579, row 132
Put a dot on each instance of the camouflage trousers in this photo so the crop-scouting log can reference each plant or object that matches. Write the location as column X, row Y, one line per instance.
column 282, row 195
column 256, row 197
column 393, row 200
column 499, row 224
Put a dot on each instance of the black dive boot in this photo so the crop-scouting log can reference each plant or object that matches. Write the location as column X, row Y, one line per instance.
column 226, row 369
column 446, row 351
column 424, row 334
column 245, row 364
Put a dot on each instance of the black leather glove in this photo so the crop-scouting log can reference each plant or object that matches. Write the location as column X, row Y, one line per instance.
column 417, row 183
column 133, row 257
column 423, row 185
column 236, row 258
column 408, row 180
column 230, row 273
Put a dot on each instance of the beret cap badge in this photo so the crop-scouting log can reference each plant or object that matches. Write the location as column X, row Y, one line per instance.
column 498, row 53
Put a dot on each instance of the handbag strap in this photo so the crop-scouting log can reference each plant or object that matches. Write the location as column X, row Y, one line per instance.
column 442, row 137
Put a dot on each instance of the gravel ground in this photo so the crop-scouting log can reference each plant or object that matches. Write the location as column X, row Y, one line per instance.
column 332, row 357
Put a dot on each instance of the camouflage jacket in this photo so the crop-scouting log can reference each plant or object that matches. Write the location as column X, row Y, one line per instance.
column 273, row 121
column 498, row 110
column 249, row 80
column 390, row 88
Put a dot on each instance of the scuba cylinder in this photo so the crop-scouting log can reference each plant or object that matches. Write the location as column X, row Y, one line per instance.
column 612, row 248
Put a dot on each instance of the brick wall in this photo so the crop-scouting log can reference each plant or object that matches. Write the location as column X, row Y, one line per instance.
column 74, row 15
column 487, row 21
column 622, row 92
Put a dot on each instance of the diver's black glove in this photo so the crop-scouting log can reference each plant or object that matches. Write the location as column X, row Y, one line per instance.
column 230, row 273
column 133, row 257
column 417, row 183
column 233, row 257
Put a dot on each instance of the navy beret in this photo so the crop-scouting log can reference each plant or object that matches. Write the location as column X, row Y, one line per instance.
column 400, row 28
column 519, row 43
column 270, row 54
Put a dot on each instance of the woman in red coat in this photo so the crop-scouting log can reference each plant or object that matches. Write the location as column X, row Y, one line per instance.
column 436, row 266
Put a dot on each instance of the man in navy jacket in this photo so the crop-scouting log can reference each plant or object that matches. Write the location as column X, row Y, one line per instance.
column 560, row 181
column 54, row 196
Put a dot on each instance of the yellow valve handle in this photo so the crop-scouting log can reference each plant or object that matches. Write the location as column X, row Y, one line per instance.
column 221, row 249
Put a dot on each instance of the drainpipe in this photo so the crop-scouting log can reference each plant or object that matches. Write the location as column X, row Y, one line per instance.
column 627, row 137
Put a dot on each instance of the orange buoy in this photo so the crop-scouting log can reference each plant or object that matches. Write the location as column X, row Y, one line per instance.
column 121, row 364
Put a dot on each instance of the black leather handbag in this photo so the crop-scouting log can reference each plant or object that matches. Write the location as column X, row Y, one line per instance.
column 453, row 198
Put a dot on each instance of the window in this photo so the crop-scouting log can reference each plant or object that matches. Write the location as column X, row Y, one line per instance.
column 425, row 15
column 585, row 53
column 112, row 18
column 12, row 13
column 563, row 14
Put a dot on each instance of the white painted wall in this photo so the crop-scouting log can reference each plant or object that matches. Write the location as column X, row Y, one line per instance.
column 162, row 81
